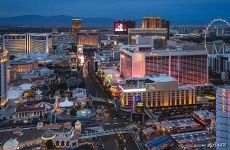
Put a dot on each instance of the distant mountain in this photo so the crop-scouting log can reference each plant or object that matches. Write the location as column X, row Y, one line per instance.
column 65, row 21
column 48, row 21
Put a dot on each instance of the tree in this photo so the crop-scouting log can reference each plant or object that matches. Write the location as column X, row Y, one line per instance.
column 73, row 112
column 12, row 57
column 49, row 145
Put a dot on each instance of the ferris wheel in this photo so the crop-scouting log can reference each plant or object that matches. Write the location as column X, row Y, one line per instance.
column 207, row 29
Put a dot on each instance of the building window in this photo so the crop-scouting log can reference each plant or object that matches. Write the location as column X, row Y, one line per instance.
column 62, row 143
column 67, row 143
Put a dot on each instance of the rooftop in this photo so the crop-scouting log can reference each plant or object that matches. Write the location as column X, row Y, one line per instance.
column 19, row 61
column 29, row 109
column 79, row 92
column 194, row 140
column 186, row 86
column 131, row 49
column 179, row 123
column 16, row 92
column 141, row 82
column 156, row 143
column 110, row 71
column 161, row 78
column 204, row 114
column 148, row 29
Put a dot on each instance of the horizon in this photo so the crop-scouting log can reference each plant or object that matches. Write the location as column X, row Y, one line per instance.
column 172, row 10
column 23, row 20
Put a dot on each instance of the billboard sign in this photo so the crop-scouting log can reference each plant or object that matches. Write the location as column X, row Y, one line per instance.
column 120, row 27
column 139, row 104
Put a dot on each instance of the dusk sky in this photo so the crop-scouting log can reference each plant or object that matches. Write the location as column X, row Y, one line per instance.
column 175, row 10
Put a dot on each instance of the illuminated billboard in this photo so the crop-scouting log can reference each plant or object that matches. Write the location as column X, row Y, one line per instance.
column 136, row 104
column 122, row 26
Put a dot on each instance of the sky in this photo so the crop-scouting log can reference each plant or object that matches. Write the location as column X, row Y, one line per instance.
column 175, row 10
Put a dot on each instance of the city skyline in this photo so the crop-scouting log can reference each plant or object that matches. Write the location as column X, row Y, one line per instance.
column 193, row 11
column 116, row 74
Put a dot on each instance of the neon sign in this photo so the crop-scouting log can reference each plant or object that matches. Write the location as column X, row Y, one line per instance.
column 223, row 97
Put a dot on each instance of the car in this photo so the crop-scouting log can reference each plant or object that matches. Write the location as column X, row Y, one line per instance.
column 115, row 123
column 107, row 124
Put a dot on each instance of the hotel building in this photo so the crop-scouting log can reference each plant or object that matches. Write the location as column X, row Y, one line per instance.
column 76, row 25
column 4, row 58
column 39, row 42
column 88, row 37
column 159, row 90
column 15, row 43
column 154, row 23
column 133, row 32
column 156, row 42
column 188, row 67
column 27, row 43
column 223, row 118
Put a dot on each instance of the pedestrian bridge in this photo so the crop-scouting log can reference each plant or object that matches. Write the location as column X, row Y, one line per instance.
column 99, row 99
column 107, row 132
column 150, row 115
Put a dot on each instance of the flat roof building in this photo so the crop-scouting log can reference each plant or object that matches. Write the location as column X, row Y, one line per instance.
column 155, row 23
column 147, row 32
column 88, row 37
column 203, row 116
column 156, row 42
column 154, row 91
column 188, row 67
column 195, row 140
column 23, row 65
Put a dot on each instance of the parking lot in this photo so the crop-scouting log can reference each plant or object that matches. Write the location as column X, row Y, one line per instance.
column 195, row 140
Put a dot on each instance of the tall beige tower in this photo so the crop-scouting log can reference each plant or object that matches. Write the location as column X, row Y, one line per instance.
column 76, row 25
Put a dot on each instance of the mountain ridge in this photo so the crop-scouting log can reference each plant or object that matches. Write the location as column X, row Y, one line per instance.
column 65, row 21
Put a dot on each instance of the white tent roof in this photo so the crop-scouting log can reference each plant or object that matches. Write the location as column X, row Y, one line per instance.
column 47, row 106
column 11, row 144
column 66, row 103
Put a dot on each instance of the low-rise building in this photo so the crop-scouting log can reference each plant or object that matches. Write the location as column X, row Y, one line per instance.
column 79, row 95
column 23, row 65
column 177, row 125
column 24, row 113
column 156, row 42
column 203, row 116
column 111, row 75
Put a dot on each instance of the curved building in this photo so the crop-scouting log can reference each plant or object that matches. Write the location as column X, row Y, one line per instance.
column 23, row 65
column 4, row 58
column 18, row 44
